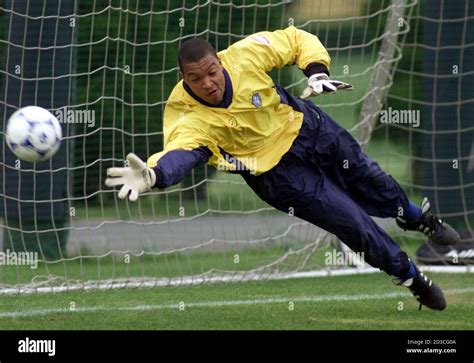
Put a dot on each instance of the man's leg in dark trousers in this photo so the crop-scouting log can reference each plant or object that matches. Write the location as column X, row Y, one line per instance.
column 339, row 155
column 295, row 183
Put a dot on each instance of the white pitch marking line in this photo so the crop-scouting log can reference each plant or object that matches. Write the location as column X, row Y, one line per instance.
column 214, row 304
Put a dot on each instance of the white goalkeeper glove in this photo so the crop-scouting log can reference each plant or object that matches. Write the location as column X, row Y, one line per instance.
column 320, row 83
column 135, row 179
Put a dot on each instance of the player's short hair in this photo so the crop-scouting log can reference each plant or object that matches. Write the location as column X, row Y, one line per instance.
column 193, row 50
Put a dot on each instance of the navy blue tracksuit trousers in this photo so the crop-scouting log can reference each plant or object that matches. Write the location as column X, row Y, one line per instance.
column 330, row 182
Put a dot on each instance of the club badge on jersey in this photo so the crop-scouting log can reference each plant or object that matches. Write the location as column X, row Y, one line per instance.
column 256, row 99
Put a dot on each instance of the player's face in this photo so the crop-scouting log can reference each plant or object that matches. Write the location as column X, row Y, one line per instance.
column 206, row 79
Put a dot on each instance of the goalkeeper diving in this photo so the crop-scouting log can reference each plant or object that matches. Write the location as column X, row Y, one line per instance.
column 228, row 112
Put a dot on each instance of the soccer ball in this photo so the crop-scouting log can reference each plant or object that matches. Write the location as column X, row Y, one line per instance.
column 33, row 134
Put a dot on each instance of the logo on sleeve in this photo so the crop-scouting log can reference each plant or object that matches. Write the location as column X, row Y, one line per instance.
column 260, row 39
column 256, row 99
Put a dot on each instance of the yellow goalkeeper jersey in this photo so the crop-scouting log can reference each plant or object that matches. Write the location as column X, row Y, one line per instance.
column 259, row 123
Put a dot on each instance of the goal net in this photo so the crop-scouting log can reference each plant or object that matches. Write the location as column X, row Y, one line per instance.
column 106, row 68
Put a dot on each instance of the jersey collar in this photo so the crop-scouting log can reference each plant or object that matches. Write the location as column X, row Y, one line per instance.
column 226, row 100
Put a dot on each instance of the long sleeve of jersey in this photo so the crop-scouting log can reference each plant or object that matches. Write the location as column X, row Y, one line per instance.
column 185, row 148
column 176, row 164
column 285, row 47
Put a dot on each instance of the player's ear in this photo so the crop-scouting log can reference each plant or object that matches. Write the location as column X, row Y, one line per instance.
column 181, row 71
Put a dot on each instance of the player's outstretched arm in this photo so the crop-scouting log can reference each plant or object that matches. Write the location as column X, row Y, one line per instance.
column 135, row 179
column 138, row 177
column 320, row 83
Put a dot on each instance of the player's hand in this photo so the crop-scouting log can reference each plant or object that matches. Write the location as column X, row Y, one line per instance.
column 320, row 83
column 135, row 179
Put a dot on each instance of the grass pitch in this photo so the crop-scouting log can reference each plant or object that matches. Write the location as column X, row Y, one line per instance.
column 346, row 302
